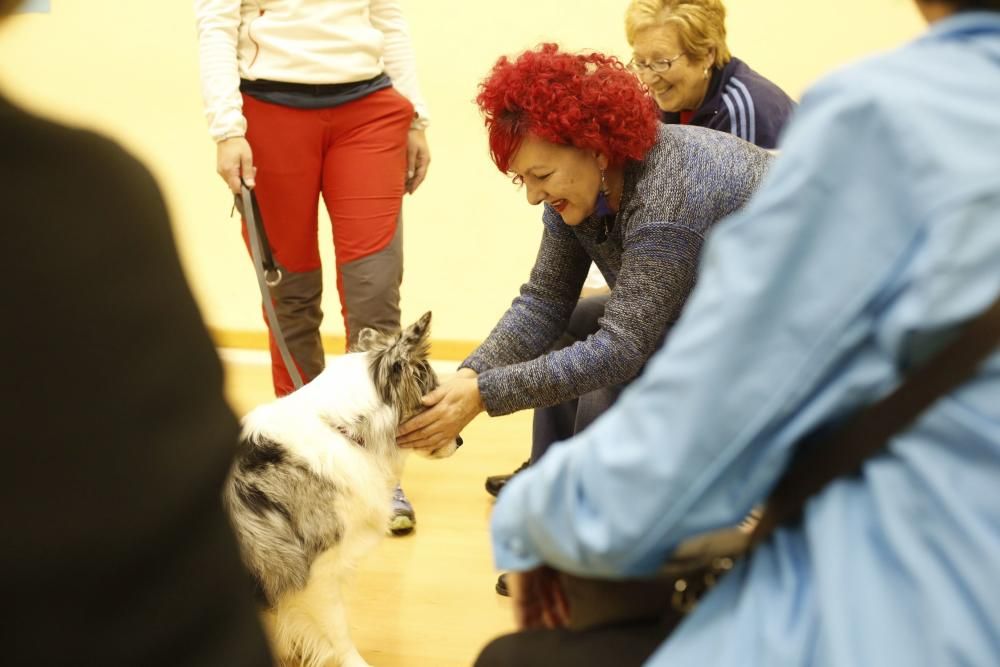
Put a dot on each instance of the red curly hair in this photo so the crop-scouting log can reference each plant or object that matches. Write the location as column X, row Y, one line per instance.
column 589, row 101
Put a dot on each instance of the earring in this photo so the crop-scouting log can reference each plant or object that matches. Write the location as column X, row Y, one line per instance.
column 706, row 72
column 603, row 211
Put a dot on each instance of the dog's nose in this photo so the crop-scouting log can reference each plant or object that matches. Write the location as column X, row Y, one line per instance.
column 459, row 442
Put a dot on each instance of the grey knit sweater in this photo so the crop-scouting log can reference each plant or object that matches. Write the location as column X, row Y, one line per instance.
column 691, row 178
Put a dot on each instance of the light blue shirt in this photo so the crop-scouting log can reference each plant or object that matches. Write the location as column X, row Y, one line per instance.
column 875, row 235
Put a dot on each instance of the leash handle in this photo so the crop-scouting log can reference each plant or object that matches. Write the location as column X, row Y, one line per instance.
column 250, row 211
column 263, row 264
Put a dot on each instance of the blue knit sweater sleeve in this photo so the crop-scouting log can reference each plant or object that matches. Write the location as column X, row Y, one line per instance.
column 692, row 178
column 657, row 272
column 541, row 311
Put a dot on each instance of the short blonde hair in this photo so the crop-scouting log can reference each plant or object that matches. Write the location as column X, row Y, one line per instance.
column 701, row 24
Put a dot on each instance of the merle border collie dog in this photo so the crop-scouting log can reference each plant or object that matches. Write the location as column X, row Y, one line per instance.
column 310, row 492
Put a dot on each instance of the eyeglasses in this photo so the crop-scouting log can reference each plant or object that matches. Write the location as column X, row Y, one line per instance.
column 657, row 66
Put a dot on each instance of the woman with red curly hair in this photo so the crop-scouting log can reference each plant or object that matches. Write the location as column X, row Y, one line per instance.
column 581, row 135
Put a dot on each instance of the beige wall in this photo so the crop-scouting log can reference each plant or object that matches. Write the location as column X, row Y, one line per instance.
column 129, row 69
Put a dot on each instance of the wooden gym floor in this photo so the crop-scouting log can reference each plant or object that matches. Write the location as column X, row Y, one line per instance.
column 425, row 600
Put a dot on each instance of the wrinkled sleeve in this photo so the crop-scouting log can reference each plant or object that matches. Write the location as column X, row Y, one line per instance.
column 398, row 56
column 218, row 23
column 541, row 311
column 658, row 267
column 783, row 293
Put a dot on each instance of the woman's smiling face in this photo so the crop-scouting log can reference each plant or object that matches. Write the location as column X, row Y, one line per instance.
column 683, row 86
column 565, row 177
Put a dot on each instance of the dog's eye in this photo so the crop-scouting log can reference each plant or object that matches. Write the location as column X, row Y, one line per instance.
column 426, row 377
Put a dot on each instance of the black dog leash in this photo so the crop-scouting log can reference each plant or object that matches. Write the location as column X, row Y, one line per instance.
column 268, row 275
column 829, row 456
column 825, row 458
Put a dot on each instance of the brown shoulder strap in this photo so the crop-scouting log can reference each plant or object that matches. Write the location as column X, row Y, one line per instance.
column 822, row 459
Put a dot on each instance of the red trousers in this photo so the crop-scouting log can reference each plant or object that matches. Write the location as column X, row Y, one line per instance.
column 354, row 156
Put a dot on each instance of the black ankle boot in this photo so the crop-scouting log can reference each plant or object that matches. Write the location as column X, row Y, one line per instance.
column 496, row 482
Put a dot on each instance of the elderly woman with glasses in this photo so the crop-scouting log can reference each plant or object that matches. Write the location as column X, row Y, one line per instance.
column 680, row 53
column 636, row 197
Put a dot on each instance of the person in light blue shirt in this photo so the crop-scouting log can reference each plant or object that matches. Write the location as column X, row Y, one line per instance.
column 874, row 237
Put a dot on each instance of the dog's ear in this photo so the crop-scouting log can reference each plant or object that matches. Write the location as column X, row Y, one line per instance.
column 367, row 339
column 400, row 371
column 414, row 340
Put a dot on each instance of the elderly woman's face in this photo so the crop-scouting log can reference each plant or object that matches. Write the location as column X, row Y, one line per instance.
column 564, row 177
column 683, row 86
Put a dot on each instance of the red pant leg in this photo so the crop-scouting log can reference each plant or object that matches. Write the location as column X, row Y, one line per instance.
column 364, row 175
column 287, row 148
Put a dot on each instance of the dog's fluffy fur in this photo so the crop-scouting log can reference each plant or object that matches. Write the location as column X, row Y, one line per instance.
column 311, row 491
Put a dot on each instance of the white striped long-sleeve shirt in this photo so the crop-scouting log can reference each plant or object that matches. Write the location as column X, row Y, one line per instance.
column 299, row 41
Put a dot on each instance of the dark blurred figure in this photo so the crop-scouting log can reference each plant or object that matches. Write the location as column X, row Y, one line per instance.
column 116, row 433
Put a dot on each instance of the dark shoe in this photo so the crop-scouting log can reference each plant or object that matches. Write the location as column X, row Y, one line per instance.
column 496, row 482
column 403, row 518
column 502, row 585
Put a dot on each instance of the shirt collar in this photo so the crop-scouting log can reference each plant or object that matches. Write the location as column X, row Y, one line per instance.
column 964, row 23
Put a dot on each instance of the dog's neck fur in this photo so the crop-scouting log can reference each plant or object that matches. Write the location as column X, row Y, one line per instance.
column 352, row 435
column 342, row 398
column 338, row 401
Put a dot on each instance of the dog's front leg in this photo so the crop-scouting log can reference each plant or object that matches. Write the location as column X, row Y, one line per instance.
column 334, row 623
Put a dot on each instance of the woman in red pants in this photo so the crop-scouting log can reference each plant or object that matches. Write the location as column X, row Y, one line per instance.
column 318, row 99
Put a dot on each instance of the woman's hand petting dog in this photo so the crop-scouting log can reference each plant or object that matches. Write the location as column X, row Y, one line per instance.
column 449, row 408
column 539, row 599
